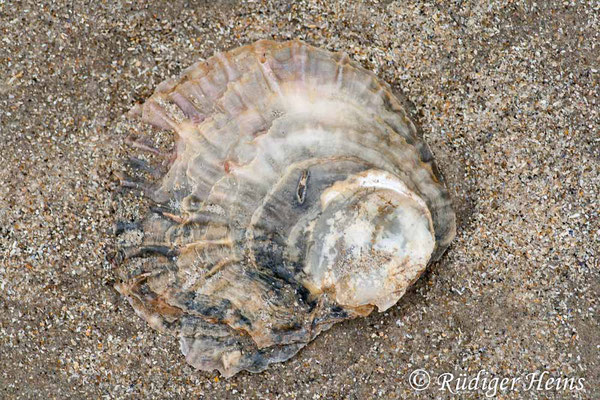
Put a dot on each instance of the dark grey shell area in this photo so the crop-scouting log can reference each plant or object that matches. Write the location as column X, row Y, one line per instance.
column 234, row 206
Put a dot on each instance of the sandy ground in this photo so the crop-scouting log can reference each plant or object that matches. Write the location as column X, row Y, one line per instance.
column 508, row 98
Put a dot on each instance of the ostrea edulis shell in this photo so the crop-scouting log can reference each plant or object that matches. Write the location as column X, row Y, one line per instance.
column 298, row 194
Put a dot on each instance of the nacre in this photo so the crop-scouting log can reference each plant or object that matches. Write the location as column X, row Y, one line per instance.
column 298, row 194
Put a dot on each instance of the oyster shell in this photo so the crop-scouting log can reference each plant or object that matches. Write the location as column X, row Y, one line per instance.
column 298, row 194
